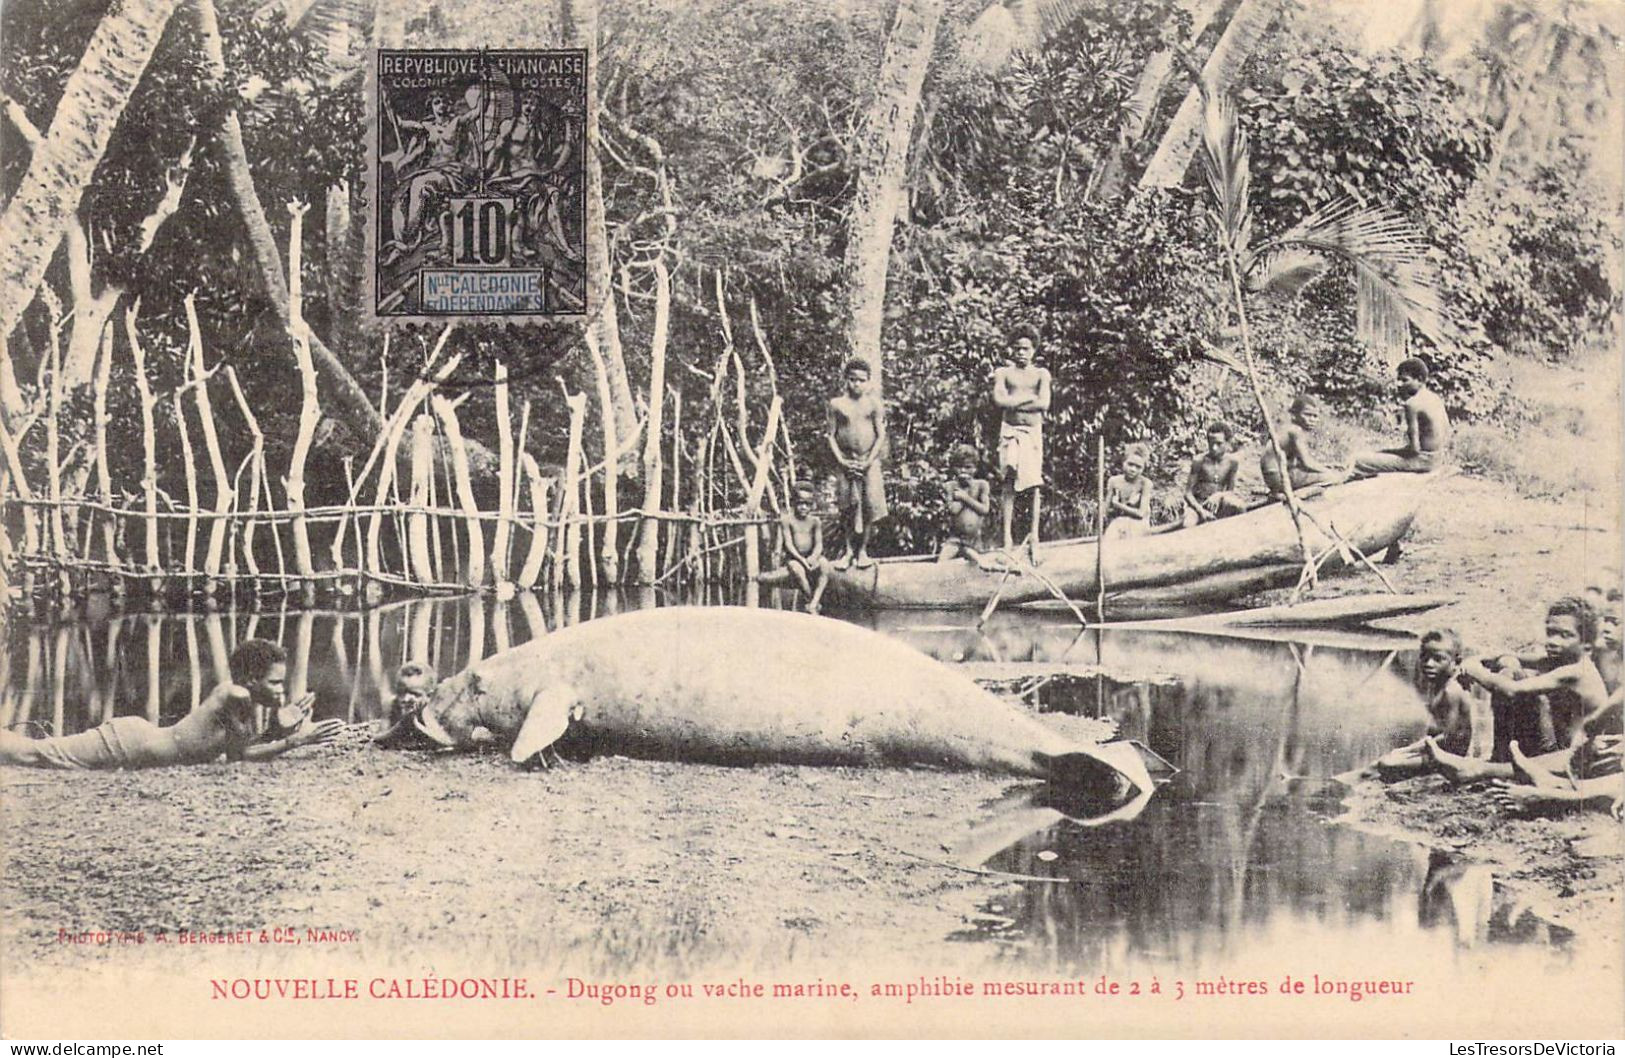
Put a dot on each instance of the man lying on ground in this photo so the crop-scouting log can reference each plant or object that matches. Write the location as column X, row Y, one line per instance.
column 226, row 722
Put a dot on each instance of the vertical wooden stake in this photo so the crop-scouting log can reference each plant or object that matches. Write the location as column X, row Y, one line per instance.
column 501, row 575
column 309, row 408
column 568, row 556
column 256, row 474
column 649, row 530
column 104, row 478
column 608, row 555
column 1100, row 526
column 421, row 563
column 447, row 411
column 187, row 564
column 674, row 531
column 532, row 568
column 223, row 497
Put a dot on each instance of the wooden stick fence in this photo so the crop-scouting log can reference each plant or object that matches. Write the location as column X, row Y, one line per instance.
column 245, row 532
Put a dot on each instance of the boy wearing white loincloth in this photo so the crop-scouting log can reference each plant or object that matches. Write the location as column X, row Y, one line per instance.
column 1021, row 389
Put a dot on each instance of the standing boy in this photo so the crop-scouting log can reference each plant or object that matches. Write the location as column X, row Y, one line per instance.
column 1021, row 389
column 857, row 432
column 1427, row 428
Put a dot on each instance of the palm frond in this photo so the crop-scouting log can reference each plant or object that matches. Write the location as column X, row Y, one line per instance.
column 1224, row 160
column 1285, row 273
column 1398, row 282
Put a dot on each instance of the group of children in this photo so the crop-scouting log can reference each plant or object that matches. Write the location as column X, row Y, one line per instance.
column 856, row 438
column 1546, row 726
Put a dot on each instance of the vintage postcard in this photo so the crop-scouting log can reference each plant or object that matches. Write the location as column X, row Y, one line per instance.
column 1003, row 519
column 477, row 181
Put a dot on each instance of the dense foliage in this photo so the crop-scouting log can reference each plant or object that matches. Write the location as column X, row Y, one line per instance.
column 755, row 107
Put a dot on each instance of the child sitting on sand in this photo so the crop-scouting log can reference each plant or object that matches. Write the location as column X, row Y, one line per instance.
column 1540, row 705
column 1128, row 495
column 1458, row 719
column 969, row 500
column 800, row 549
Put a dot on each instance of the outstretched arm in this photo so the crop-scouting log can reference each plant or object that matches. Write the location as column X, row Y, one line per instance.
column 303, row 733
column 1534, row 683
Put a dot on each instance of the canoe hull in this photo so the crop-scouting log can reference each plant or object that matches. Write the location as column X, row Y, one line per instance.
column 1212, row 562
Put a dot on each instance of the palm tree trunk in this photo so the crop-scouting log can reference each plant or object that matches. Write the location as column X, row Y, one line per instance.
column 582, row 19
column 91, row 105
column 882, row 167
column 345, row 391
column 1222, row 69
column 1147, row 90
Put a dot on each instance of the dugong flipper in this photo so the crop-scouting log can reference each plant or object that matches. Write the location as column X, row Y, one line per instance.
column 735, row 685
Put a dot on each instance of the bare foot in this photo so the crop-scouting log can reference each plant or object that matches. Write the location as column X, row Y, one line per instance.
column 1528, row 771
column 1456, row 768
column 844, row 562
column 1535, row 800
column 863, row 561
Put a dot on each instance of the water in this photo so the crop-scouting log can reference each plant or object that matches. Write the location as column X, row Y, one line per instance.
column 1234, row 861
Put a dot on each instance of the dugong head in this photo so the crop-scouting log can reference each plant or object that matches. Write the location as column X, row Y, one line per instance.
column 485, row 706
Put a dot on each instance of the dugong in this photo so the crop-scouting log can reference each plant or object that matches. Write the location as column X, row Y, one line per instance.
column 746, row 686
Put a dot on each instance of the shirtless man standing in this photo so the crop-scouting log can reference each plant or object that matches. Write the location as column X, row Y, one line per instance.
column 1021, row 389
column 224, row 723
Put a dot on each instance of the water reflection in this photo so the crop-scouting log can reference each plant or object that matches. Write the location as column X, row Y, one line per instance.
column 1233, row 858
column 1234, row 861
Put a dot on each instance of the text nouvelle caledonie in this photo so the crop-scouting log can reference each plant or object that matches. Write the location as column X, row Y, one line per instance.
column 472, row 292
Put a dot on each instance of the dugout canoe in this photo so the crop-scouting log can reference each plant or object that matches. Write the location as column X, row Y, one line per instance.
column 1212, row 562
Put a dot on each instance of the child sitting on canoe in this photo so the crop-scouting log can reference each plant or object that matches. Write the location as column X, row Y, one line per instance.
column 799, row 552
column 1541, row 704
column 1297, row 444
column 1458, row 718
column 1210, row 490
column 1128, row 495
column 1427, row 428
column 970, row 498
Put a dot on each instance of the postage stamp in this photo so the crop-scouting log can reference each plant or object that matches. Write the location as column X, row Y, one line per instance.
column 477, row 185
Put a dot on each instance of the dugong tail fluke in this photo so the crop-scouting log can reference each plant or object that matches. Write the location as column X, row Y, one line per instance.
column 749, row 686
